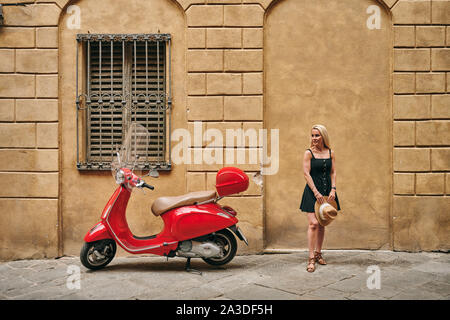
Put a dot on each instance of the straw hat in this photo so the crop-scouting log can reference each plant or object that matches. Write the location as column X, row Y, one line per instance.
column 326, row 212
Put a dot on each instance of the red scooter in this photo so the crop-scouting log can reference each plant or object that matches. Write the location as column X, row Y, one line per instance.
column 195, row 225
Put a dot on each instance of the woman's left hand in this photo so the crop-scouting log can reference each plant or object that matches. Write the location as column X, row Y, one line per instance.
column 332, row 195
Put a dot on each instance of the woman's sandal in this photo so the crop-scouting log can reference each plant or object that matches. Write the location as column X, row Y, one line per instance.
column 318, row 257
column 311, row 261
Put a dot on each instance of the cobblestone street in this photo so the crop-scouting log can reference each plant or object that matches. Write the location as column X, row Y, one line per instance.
column 348, row 275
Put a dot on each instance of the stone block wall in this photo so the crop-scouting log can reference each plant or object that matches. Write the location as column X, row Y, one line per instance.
column 421, row 132
column 29, row 143
column 225, row 89
column 225, row 83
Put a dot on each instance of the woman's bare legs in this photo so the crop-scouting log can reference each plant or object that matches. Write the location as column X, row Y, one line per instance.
column 320, row 237
column 313, row 227
column 316, row 234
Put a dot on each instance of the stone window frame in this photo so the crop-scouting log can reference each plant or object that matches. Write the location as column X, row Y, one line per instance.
column 132, row 96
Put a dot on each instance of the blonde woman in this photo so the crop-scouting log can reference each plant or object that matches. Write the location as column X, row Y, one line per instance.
column 319, row 169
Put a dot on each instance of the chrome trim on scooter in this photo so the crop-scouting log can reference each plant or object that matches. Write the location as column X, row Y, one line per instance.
column 223, row 215
column 205, row 202
column 229, row 215
column 107, row 211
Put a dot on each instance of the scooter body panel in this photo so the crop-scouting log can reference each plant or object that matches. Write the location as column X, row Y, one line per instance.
column 182, row 223
column 115, row 221
column 98, row 232
column 190, row 222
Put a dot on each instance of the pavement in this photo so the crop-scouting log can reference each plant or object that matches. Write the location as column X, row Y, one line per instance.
column 354, row 275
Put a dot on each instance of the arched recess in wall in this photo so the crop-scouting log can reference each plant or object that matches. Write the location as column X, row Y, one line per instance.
column 84, row 194
column 323, row 65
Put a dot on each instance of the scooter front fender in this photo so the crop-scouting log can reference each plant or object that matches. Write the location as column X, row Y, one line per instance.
column 98, row 232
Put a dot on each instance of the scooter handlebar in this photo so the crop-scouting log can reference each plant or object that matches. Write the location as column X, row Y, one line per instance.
column 144, row 185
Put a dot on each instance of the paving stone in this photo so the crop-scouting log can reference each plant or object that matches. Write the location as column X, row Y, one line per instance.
column 21, row 264
column 111, row 290
column 351, row 284
column 407, row 279
column 300, row 282
column 329, row 293
column 46, row 293
column 385, row 291
column 15, row 286
column 438, row 287
column 416, row 295
column 71, row 296
column 236, row 281
column 47, row 276
column 432, row 266
column 271, row 276
column 203, row 292
column 4, row 269
column 364, row 295
column 258, row 292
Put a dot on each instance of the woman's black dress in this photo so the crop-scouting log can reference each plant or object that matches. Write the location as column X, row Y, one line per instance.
column 320, row 173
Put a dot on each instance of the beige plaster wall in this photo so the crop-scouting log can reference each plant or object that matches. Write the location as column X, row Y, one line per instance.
column 219, row 70
column 84, row 194
column 324, row 66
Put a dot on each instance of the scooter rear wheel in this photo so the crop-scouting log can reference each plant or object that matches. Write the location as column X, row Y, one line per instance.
column 96, row 255
column 226, row 240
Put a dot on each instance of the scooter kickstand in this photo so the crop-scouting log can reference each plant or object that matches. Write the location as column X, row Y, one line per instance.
column 188, row 267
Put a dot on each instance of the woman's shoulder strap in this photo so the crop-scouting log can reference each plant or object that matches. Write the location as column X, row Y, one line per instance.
column 311, row 153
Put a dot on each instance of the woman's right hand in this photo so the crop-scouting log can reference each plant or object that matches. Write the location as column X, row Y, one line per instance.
column 319, row 197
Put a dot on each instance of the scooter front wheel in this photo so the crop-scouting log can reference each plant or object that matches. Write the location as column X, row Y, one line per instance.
column 96, row 255
column 227, row 242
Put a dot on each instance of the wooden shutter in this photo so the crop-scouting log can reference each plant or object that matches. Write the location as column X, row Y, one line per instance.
column 126, row 81
column 148, row 101
column 105, row 90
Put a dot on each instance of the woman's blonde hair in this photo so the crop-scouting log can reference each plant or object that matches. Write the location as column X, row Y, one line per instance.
column 324, row 133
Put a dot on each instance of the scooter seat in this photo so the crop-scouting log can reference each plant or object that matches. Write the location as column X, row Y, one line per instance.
column 163, row 204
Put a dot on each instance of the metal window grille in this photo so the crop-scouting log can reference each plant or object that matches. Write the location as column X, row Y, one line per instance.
column 125, row 79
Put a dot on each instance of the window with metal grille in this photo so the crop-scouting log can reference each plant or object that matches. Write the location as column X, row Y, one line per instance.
column 125, row 79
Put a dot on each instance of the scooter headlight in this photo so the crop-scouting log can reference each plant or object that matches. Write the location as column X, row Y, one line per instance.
column 120, row 177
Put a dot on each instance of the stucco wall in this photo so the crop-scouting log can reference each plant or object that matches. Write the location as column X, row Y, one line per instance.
column 84, row 194
column 323, row 65
column 218, row 78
